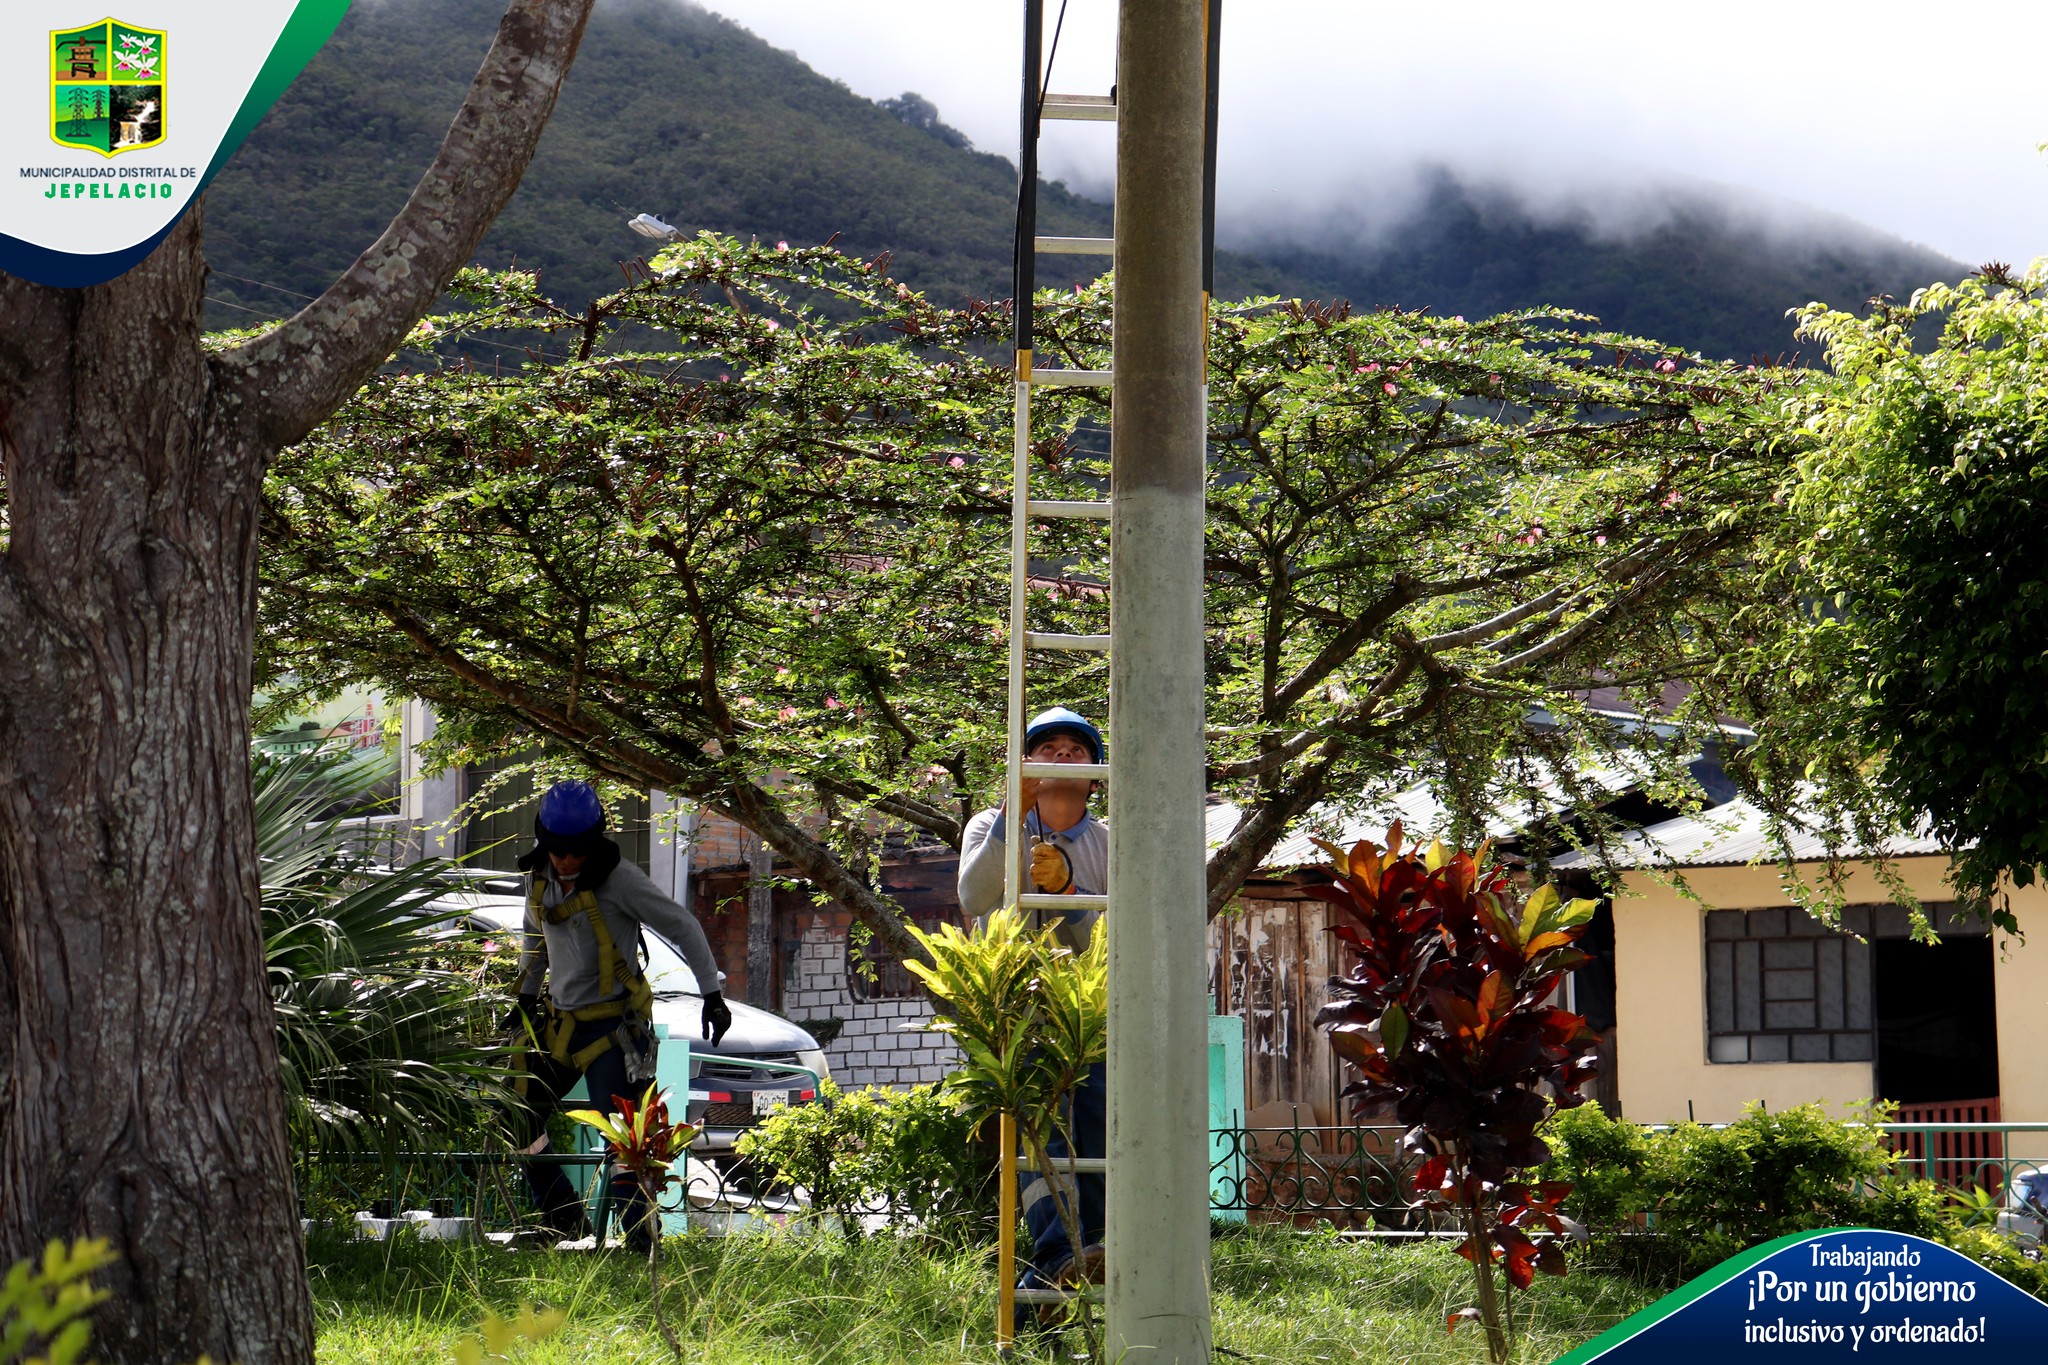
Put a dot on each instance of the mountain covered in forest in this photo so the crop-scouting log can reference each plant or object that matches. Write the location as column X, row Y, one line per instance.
column 675, row 111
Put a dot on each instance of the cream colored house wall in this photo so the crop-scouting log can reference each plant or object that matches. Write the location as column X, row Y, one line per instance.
column 1661, row 1017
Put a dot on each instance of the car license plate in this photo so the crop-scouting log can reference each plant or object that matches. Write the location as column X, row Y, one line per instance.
column 767, row 1101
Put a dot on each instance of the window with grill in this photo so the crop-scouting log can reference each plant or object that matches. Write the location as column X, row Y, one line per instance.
column 1783, row 987
column 873, row 972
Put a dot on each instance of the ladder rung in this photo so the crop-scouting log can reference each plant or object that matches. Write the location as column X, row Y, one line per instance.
column 1038, row 900
column 1073, row 379
column 1076, row 246
column 1082, row 1165
column 1094, row 108
column 1094, row 772
column 1054, row 1295
column 1046, row 507
column 1038, row 639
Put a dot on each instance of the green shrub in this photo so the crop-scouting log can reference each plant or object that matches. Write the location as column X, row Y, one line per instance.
column 910, row 1151
column 2001, row 1257
column 1708, row 1193
column 1605, row 1160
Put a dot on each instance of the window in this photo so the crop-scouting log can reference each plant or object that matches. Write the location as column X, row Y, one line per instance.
column 873, row 971
column 1783, row 987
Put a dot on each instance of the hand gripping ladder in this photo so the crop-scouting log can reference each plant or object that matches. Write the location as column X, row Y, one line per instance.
column 1037, row 105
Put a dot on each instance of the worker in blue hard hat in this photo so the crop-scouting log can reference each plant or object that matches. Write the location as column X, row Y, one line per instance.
column 1069, row 856
column 584, row 910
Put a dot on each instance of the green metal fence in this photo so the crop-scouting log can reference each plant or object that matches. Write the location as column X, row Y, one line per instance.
column 1355, row 1176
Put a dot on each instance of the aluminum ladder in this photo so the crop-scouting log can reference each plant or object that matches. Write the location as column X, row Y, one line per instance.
column 1039, row 103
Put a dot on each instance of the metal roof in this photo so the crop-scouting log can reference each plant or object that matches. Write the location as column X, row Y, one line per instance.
column 1422, row 817
column 1730, row 835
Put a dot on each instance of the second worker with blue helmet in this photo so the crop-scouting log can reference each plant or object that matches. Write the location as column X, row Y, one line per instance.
column 585, row 907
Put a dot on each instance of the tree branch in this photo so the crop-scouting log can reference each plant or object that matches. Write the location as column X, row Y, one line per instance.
column 289, row 379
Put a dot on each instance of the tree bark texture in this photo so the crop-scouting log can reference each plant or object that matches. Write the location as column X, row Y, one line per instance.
column 139, row 1086
column 760, row 923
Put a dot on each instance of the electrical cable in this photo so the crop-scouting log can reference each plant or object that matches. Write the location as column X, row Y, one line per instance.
column 1045, row 81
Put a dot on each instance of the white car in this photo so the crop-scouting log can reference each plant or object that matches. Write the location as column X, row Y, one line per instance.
column 763, row 1061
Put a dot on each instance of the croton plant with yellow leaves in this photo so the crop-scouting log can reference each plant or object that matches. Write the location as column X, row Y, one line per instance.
column 1446, row 1014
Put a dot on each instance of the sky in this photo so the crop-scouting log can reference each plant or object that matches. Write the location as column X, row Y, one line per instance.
column 1920, row 120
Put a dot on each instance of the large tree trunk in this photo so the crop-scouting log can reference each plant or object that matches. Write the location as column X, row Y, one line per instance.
column 141, row 1100
column 139, row 1087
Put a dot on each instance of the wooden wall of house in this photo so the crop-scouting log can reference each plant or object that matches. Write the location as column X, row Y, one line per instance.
column 1268, row 961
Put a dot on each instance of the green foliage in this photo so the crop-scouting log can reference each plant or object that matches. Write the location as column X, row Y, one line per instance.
column 774, row 545
column 1605, row 1160
column 826, row 1149
column 670, row 110
column 380, row 1029
column 43, row 1306
column 1719, row 1190
column 1913, row 686
column 2000, row 1256
column 911, row 1151
column 644, row 1146
column 1029, row 1015
column 1710, row 1192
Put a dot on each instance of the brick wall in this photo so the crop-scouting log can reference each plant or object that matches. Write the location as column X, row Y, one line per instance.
column 881, row 1042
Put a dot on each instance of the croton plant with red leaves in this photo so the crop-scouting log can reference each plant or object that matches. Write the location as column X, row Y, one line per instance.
column 1447, row 1015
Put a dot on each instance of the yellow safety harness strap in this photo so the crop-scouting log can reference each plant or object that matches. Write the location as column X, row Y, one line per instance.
column 612, row 967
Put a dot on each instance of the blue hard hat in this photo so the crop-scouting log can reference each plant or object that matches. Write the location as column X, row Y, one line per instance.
column 1061, row 721
column 571, row 808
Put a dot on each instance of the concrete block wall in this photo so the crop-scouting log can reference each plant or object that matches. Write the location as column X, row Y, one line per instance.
column 882, row 1042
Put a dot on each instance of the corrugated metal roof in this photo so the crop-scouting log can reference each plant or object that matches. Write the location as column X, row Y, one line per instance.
column 1422, row 817
column 1731, row 835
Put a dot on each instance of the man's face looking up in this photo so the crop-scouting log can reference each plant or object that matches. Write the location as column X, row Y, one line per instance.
column 1063, row 748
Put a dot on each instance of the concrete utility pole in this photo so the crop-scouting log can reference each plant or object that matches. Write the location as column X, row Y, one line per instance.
column 1158, row 1187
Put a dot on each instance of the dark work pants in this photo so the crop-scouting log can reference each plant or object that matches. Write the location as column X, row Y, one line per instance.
column 1088, row 1119
column 547, row 1080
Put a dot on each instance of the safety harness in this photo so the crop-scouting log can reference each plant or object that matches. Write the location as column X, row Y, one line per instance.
column 612, row 967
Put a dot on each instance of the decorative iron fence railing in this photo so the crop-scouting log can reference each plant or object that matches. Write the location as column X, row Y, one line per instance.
column 1353, row 1176
column 1964, row 1154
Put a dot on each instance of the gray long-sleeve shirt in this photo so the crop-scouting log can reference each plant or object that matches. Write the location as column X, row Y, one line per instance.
column 982, row 850
column 566, row 954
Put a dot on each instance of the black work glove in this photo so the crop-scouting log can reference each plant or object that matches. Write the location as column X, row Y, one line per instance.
column 517, row 1019
column 717, row 1016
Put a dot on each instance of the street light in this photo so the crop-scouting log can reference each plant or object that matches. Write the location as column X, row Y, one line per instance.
column 647, row 225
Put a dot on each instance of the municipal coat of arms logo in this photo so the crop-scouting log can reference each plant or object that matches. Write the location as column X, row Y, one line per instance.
column 107, row 87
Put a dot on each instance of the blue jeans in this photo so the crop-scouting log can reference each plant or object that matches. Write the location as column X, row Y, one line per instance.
column 1087, row 1118
column 547, row 1080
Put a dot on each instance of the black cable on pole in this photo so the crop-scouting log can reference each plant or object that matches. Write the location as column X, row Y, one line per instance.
column 1025, row 274
column 1215, row 45
column 1052, row 56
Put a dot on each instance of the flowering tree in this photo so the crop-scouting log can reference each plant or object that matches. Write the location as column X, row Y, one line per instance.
column 739, row 535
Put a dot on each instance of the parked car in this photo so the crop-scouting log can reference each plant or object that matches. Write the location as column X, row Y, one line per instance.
column 2025, row 1215
column 733, row 1084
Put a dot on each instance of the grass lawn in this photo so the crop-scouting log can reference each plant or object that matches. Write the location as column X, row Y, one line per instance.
column 1280, row 1296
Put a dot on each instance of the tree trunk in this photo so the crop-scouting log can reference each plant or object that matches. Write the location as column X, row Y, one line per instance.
column 140, row 1099
column 760, row 923
column 139, row 1089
